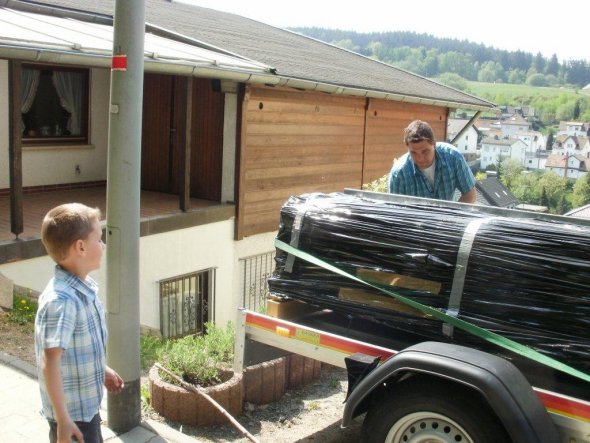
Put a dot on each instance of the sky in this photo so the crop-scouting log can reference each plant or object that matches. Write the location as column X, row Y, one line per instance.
column 503, row 24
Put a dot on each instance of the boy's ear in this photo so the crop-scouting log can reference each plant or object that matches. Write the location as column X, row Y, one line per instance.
column 78, row 247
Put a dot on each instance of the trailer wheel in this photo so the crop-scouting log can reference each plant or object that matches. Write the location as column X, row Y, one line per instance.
column 423, row 410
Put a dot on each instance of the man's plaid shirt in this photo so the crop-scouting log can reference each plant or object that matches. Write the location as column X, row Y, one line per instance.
column 451, row 172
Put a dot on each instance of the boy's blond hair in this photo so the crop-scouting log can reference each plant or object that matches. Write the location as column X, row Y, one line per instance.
column 65, row 224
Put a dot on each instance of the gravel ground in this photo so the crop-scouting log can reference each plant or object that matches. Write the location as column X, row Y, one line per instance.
column 308, row 414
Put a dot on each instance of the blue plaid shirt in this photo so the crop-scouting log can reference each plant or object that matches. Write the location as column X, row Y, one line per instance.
column 71, row 316
column 451, row 172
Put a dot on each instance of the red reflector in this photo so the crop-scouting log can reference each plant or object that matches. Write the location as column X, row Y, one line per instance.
column 119, row 63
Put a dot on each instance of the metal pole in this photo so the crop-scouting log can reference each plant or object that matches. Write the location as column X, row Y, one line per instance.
column 123, row 197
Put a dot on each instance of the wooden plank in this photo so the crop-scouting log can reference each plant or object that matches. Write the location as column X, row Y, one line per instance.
column 15, row 154
column 287, row 309
column 399, row 280
column 377, row 301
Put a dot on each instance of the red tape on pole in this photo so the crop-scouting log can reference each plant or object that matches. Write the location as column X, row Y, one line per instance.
column 119, row 63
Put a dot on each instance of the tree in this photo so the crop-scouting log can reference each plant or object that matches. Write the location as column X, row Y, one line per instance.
column 536, row 80
column 553, row 188
column 581, row 194
column 453, row 80
column 516, row 76
column 539, row 62
column 553, row 66
column 510, row 170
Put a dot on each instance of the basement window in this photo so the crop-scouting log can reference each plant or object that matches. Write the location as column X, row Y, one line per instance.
column 184, row 303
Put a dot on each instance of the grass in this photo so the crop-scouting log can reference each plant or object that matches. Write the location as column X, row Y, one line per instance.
column 23, row 311
column 508, row 89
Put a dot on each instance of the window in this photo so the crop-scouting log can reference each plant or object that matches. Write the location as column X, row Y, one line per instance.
column 54, row 104
column 255, row 272
column 184, row 303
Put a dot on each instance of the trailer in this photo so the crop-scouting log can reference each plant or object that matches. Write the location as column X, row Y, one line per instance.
column 412, row 390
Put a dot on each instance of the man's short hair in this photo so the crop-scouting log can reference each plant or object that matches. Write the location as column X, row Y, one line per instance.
column 418, row 131
column 64, row 225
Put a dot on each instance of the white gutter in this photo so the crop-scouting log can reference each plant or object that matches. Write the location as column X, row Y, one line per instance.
column 49, row 54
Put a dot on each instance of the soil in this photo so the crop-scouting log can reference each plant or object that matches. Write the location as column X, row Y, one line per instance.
column 308, row 414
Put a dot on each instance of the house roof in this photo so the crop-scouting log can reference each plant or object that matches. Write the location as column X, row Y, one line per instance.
column 515, row 119
column 454, row 125
column 556, row 161
column 93, row 43
column 297, row 60
column 497, row 139
column 495, row 193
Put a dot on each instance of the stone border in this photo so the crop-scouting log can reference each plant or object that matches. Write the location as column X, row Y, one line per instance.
column 179, row 405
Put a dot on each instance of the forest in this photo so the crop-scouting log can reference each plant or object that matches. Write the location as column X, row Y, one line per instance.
column 507, row 78
column 431, row 56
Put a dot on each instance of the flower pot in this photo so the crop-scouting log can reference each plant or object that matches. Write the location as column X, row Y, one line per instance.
column 179, row 405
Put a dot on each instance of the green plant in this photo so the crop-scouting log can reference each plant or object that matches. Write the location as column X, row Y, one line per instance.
column 334, row 384
column 23, row 311
column 151, row 350
column 379, row 185
column 200, row 359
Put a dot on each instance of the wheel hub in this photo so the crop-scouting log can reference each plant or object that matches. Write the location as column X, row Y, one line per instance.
column 427, row 427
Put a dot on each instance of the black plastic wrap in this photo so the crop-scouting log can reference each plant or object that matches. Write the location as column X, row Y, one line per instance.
column 527, row 280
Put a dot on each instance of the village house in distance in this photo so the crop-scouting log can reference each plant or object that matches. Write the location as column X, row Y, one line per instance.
column 488, row 142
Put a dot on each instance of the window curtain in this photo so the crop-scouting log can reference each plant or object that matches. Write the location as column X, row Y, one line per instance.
column 68, row 86
column 29, row 85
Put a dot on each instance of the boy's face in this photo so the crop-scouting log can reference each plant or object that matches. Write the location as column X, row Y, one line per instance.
column 93, row 247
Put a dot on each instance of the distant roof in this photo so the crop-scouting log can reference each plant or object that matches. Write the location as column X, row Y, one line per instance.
column 454, row 125
column 581, row 212
column 495, row 193
column 298, row 61
column 515, row 119
column 556, row 161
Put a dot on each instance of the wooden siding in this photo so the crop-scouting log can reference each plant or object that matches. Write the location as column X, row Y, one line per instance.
column 385, row 125
column 294, row 142
column 207, row 140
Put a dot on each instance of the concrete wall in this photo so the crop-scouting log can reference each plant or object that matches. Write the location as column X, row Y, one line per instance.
column 47, row 165
column 169, row 255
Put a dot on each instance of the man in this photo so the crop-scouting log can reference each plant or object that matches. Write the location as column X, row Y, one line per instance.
column 429, row 169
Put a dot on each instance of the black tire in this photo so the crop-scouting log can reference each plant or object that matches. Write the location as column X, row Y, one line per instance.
column 433, row 410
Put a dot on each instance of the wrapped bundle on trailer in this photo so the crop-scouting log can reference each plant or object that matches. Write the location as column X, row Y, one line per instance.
column 525, row 277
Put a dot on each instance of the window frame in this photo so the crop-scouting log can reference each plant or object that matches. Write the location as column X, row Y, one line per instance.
column 82, row 139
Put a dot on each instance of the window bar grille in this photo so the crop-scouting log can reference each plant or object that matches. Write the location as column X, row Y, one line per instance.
column 255, row 273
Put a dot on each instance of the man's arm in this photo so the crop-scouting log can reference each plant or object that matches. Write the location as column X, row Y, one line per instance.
column 51, row 368
column 469, row 196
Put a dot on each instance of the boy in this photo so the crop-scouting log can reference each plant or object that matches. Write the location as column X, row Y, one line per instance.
column 70, row 327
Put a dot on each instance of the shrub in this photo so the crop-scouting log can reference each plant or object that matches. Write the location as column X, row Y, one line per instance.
column 200, row 359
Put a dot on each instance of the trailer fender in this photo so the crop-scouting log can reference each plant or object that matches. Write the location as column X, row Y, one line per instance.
column 496, row 380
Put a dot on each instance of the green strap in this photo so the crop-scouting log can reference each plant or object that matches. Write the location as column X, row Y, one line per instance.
column 461, row 324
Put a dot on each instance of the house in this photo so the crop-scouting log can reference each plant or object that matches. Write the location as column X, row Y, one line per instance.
column 262, row 113
column 570, row 166
column 574, row 128
column 495, row 149
column 512, row 125
column 535, row 153
column 492, row 192
column 467, row 143
column 567, row 144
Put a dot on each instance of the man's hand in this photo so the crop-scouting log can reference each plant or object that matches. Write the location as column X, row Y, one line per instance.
column 113, row 382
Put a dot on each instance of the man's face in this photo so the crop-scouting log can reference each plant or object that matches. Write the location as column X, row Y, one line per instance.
column 422, row 153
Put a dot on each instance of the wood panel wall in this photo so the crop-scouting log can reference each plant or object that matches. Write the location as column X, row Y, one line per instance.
column 294, row 142
column 385, row 125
